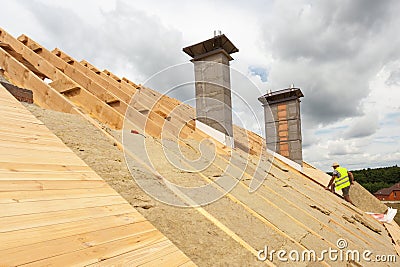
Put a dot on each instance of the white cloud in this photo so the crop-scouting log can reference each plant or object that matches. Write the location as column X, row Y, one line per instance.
column 361, row 127
column 343, row 55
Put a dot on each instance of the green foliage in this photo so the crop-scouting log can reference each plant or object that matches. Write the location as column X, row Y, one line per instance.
column 373, row 187
column 376, row 179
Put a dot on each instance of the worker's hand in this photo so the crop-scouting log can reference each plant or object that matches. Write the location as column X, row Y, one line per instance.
column 352, row 182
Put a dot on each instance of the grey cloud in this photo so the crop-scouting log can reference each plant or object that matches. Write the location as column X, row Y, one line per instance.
column 330, row 30
column 339, row 151
column 58, row 23
column 340, row 148
column 363, row 127
column 124, row 40
column 331, row 49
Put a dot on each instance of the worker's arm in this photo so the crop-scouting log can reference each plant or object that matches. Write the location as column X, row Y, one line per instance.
column 351, row 177
column 330, row 183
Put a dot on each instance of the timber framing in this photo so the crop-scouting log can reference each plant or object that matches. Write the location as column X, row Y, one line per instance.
column 44, row 95
column 289, row 205
column 62, row 83
column 143, row 98
column 74, row 71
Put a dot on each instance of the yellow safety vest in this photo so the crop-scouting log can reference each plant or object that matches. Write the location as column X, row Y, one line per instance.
column 342, row 181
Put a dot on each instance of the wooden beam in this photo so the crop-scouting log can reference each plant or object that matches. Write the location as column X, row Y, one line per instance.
column 64, row 86
column 89, row 79
column 66, row 66
column 87, row 101
column 43, row 94
column 102, row 79
column 157, row 102
column 142, row 102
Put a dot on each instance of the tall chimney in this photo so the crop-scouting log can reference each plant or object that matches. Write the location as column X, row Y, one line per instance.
column 213, row 87
column 283, row 123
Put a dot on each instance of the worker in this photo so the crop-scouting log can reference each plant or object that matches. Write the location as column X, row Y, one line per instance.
column 342, row 182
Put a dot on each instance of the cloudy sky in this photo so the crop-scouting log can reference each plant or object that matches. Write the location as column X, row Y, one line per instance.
column 344, row 55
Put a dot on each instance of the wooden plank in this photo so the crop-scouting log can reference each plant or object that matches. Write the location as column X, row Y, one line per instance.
column 20, row 131
column 20, row 222
column 140, row 256
column 53, row 222
column 15, row 141
column 188, row 264
column 35, row 235
column 36, row 156
column 66, row 154
column 12, row 108
column 176, row 257
column 101, row 252
column 8, row 116
column 13, row 209
column 7, row 113
column 27, row 196
column 26, row 124
column 33, row 185
column 35, row 145
column 8, row 102
column 43, row 167
column 78, row 243
column 31, row 176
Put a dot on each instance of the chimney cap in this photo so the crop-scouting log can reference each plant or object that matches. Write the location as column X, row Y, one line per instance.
column 217, row 42
column 280, row 96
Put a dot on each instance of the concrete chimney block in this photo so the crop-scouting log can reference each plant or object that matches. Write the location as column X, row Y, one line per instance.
column 212, row 82
column 283, row 123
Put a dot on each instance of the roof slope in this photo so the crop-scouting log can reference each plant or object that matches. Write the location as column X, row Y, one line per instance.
column 55, row 210
column 387, row 191
column 290, row 210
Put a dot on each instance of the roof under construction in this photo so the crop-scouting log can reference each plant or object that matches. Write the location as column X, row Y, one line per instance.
column 71, row 199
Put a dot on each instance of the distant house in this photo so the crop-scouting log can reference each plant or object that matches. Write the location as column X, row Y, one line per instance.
column 389, row 194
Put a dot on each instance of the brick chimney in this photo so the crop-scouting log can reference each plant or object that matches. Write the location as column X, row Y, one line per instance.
column 283, row 123
column 213, row 87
